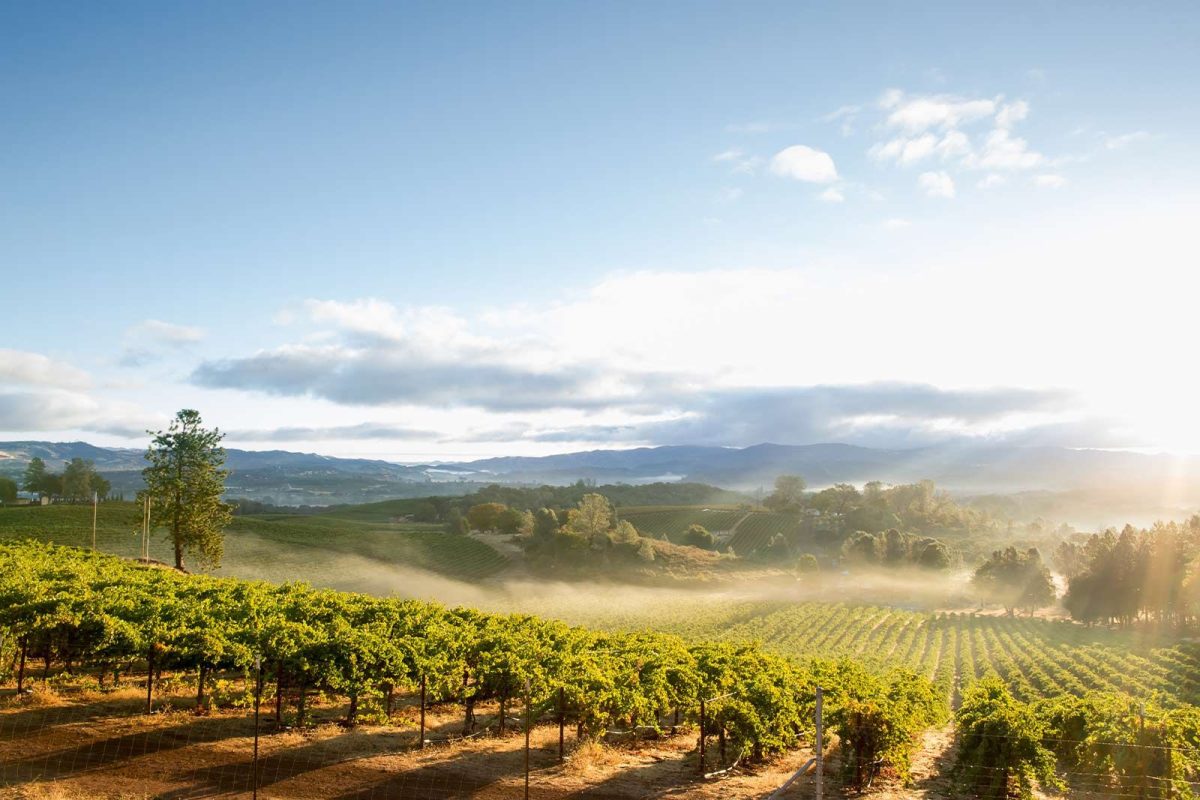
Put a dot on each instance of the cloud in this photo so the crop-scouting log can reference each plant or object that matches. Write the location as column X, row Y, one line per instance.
column 948, row 128
column 846, row 115
column 879, row 414
column 379, row 355
column 936, row 184
column 876, row 414
column 804, row 164
column 896, row 224
column 1125, row 139
column 152, row 339
column 167, row 333
column 1003, row 151
column 1011, row 113
column 1050, row 181
column 917, row 114
column 38, row 393
column 19, row 368
column 399, row 376
column 991, row 181
column 832, row 195
column 738, row 161
column 56, row 410
column 362, row 431
column 904, row 151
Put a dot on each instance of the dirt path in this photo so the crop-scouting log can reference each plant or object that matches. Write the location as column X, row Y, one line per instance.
column 108, row 750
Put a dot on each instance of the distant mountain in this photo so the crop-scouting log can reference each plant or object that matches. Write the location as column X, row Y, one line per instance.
column 967, row 468
column 276, row 476
column 289, row 478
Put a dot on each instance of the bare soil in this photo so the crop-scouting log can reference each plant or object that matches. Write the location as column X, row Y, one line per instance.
column 102, row 746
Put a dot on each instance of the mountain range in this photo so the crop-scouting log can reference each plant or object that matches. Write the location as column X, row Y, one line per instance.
column 290, row 478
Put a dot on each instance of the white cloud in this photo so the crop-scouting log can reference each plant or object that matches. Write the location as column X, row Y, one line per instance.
column 992, row 180
column 1050, row 181
column 1003, row 151
column 904, row 151
column 920, row 113
column 846, row 115
column 19, row 368
column 832, row 195
column 804, row 164
column 152, row 339
column 936, row 184
column 38, row 394
column 739, row 162
column 896, row 224
column 1011, row 113
column 165, row 333
column 841, row 113
column 59, row 410
column 954, row 144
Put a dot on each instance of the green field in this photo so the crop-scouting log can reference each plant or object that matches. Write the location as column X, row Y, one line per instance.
column 1035, row 657
column 357, row 548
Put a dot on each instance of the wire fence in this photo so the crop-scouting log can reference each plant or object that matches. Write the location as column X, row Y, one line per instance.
column 97, row 743
column 91, row 743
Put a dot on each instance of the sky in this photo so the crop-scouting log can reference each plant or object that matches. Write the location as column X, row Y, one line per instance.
column 441, row 231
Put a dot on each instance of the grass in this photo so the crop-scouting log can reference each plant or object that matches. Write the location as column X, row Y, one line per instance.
column 333, row 550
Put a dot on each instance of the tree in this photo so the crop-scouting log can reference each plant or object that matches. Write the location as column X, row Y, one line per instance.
column 512, row 522
column 185, row 481
column 1069, row 559
column 1015, row 579
column 77, row 479
column 456, row 523
column 624, row 533
column 34, row 479
column 592, row 518
column 698, row 536
column 485, row 516
column 934, row 555
column 545, row 524
column 837, row 499
column 8, row 490
column 101, row 485
column 788, row 495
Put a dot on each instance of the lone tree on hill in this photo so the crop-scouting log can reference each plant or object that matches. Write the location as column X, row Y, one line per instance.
column 184, row 481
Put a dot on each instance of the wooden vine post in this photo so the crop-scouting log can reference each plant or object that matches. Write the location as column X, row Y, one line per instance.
column 422, row 745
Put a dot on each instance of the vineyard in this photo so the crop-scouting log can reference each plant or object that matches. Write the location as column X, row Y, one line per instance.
column 672, row 521
column 743, row 530
column 1035, row 658
column 74, row 611
column 759, row 527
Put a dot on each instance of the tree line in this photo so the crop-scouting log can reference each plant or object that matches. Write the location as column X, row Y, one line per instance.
column 77, row 482
column 1138, row 574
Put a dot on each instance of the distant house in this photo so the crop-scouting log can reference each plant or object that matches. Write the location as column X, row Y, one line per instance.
column 31, row 499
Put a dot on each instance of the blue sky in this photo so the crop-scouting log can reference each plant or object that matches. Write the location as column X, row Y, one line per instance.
column 578, row 225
